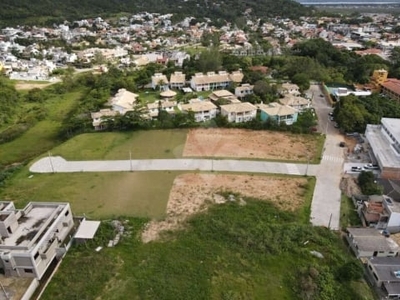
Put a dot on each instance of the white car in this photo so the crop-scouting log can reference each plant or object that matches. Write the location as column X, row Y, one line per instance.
column 371, row 167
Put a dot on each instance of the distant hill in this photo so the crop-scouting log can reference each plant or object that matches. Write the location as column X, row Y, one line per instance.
column 14, row 12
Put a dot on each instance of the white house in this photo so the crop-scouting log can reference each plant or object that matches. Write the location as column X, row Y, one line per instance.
column 239, row 112
column 98, row 117
column 33, row 237
column 203, row 110
column 296, row 102
column 159, row 80
column 154, row 108
column 177, row 80
column 123, row 101
column 211, row 80
column 244, row 90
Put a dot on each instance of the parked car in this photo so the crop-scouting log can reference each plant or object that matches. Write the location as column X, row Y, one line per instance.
column 371, row 167
column 336, row 125
column 331, row 118
column 357, row 169
column 331, row 114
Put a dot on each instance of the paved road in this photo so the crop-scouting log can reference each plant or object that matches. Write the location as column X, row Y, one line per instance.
column 325, row 208
column 57, row 164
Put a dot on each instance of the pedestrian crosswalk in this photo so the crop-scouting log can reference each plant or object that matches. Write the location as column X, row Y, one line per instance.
column 332, row 158
column 292, row 169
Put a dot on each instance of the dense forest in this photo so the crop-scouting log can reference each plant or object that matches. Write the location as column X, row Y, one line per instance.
column 48, row 11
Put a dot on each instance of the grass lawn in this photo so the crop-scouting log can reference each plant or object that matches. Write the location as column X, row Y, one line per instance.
column 149, row 96
column 231, row 252
column 348, row 213
column 98, row 195
column 117, row 145
column 43, row 135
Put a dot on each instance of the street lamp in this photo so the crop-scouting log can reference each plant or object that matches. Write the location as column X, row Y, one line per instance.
column 130, row 160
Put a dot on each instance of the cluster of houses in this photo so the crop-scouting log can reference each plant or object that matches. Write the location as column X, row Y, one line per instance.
column 28, row 52
column 220, row 101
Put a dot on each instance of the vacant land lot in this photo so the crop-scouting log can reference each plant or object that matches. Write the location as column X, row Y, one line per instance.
column 28, row 85
column 118, row 145
column 98, row 195
column 232, row 251
column 252, row 144
column 191, row 193
column 43, row 135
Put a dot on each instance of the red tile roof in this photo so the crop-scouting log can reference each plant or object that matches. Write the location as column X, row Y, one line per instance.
column 393, row 85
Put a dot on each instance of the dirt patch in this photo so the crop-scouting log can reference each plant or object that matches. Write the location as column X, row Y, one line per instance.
column 249, row 144
column 192, row 193
column 349, row 186
column 21, row 85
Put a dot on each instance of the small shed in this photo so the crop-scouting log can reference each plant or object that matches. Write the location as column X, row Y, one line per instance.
column 86, row 230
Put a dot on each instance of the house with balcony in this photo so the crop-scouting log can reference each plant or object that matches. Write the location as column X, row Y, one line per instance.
column 99, row 116
column 239, row 112
column 177, row 80
column 244, row 90
column 165, row 105
column 384, row 141
column 223, row 96
column 159, row 81
column 33, row 237
column 214, row 81
column 278, row 113
column 203, row 110
column 289, row 88
column 296, row 102
column 123, row 101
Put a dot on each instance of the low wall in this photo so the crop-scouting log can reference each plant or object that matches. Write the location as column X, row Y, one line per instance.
column 31, row 290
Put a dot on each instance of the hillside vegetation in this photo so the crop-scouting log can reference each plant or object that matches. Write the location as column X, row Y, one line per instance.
column 46, row 11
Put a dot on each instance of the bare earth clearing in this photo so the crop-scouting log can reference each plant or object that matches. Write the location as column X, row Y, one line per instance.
column 192, row 193
column 22, row 85
column 249, row 144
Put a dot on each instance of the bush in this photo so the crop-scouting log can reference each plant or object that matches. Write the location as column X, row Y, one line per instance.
column 368, row 186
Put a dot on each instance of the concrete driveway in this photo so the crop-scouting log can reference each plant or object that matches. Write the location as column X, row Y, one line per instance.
column 325, row 208
column 57, row 164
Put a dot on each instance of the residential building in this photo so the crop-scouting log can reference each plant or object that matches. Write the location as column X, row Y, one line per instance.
column 278, row 113
column 33, row 237
column 239, row 112
column 98, row 117
column 384, row 273
column 244, row 90
column 154, row 108
column 296, row 102
column 384, row 141
column 160, row 81
column 391, row 88
column 289, row 88
column 123, row 101
column 177, row 80
column 203, row 110
column 226, row 96
column 212, row 81
column 368, row 242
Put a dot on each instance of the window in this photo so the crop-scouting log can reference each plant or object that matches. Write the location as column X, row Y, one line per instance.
column 36, row 255
column 28, row 270
column 67, row 213
column 376, row 277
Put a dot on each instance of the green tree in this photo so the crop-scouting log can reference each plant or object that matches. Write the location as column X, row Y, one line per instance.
column 209, row 60
column 302, row 80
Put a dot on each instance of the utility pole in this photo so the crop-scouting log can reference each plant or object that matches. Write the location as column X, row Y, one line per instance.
column 130, row 160
column 51, row 163
column 308, row 162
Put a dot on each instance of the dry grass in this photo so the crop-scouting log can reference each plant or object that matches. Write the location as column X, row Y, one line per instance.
column 191, row 193
column 240, row 143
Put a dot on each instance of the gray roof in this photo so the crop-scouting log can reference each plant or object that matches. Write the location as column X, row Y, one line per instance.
column 393, row 125
column 392, row 288
column 385, row 268
column 370, row 239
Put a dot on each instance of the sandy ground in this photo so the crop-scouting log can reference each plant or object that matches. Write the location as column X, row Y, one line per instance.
column 192, row 193
column 21, row 85
column 248, row 144
column 349, row 186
